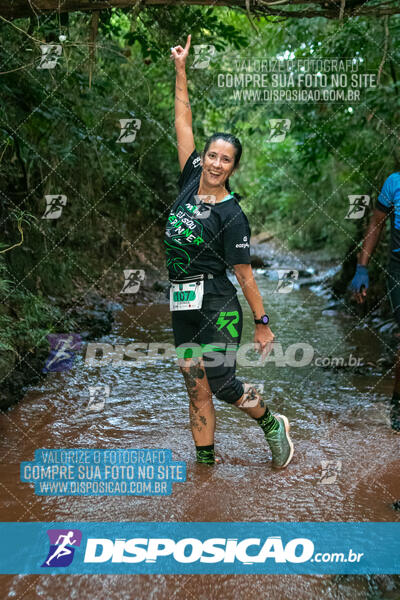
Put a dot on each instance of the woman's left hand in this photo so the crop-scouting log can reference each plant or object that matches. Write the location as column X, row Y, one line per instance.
column 263, row 338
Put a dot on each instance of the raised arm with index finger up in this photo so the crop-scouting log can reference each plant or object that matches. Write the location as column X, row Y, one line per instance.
column 183, row 112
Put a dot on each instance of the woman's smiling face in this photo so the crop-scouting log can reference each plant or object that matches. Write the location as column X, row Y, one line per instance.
column 218, row 163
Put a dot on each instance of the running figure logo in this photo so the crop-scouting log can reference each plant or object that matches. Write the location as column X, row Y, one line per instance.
column 129, row 129
column 133, row 279
column 99, row 394
column 62, row 351
column 202, row 55
column 330, row 471
column 61, row 551
column 50, row 56
column 54, row 206
column 357, row 207
column 279, row 129
column 228, row 320
column 204, row 203
column 287, row 278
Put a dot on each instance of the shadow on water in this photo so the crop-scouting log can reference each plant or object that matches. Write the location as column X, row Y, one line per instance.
column 337, row 415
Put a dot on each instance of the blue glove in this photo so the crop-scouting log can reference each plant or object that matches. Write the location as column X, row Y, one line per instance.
column 360, row 279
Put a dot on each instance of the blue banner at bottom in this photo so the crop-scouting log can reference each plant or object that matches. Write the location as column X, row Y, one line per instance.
column 209, row 548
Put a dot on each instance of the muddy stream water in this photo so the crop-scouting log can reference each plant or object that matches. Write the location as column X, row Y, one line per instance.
column 337, row 415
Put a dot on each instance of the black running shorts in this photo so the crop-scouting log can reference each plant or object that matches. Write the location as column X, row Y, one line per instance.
column 213, row 332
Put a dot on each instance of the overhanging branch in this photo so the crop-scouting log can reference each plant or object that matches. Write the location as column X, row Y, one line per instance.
column 329, row 9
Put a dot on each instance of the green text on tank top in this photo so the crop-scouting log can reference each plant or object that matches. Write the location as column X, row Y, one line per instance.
column 178, row 299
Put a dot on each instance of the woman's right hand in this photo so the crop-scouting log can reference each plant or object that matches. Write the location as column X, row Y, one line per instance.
column 263, row 340
column 180, row 54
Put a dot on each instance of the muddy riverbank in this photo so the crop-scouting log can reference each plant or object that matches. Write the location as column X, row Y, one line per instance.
column 93, row 313
column 338, row 415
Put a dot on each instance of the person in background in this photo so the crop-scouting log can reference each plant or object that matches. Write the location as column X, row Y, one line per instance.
column 388, row 205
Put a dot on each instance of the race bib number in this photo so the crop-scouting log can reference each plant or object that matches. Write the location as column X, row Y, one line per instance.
column 186, row 296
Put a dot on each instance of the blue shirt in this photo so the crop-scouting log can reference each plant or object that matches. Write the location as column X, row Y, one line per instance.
column 389, row 203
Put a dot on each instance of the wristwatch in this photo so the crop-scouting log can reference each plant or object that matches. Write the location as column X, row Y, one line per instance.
column 264, row 319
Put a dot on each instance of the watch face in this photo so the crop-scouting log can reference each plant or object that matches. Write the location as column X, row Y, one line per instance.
column 265, row 319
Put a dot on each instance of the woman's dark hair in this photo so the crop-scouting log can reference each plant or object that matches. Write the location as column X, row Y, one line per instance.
column 227, row 137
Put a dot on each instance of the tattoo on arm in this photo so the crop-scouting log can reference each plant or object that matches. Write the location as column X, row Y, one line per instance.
column 187, row 104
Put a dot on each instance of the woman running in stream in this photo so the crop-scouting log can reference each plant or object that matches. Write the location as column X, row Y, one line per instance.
column 206, row 233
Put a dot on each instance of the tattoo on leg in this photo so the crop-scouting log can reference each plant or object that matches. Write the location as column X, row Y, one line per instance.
column 193, row 421
column 193, row 405
column 191, row 375
column 195, row 418
column 196, row 371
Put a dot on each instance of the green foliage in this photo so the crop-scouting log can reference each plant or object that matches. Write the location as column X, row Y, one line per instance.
column 59, row 136
column 26, row 318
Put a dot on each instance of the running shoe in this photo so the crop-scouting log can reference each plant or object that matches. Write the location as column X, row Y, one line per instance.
column 280, row 443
